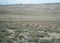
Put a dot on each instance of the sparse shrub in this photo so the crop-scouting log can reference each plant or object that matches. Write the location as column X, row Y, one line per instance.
column 27, row 33
column 4, row 11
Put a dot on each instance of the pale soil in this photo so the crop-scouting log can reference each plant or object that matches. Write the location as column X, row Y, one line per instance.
column 29, row 32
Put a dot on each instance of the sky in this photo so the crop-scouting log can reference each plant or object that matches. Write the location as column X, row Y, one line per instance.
column 28, row 1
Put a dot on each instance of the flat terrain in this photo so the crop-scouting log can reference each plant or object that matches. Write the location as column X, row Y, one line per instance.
column 30, row 23
column 31, row 12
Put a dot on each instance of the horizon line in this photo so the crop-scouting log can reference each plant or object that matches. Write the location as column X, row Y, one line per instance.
column 30, row 3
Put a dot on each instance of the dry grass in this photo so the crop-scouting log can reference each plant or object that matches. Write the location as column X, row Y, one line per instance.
column 29, row 32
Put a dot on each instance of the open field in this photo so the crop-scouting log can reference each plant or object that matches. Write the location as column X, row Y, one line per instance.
column 30, row 12
column 29, row 32
column 30, row 23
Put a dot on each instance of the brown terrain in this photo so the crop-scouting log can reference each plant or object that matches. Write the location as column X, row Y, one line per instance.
column 30, row 23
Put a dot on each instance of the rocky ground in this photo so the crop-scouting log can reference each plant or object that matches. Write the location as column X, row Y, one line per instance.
column 29, row 33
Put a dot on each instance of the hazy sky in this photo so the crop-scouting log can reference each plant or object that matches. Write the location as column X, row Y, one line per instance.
column 28, row 1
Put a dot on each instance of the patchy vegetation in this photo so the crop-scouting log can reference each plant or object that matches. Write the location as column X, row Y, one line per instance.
column 29, row 33
column 4, row 12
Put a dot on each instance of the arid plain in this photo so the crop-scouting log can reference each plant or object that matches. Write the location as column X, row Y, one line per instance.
column 30, row 23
